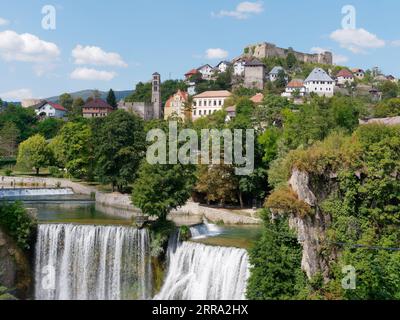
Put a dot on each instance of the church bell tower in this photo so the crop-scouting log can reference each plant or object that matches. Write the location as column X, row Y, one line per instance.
column 156, row 96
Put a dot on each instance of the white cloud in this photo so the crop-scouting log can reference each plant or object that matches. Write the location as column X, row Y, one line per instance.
column 4, row 22
column 357, row 40
column 243, row 10
column 216, row 53
column 92, row 74
column 337, row 58
column 96, row 56
column 26, row 48
column 16, row 95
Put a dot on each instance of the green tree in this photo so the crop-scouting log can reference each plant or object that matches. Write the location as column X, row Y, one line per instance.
column 275, row 263
column 24, row 118
column 291, row 60
column 9, row 135
column 76, row 109
column 162, row 188
column 281, row 80
column 66, row 101
column 72, row 149
column 119, row 146
column 111, row 100
column 49, row 127
column 34, row 153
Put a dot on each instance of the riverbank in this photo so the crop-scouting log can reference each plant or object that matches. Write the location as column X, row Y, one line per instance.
column 120, row 204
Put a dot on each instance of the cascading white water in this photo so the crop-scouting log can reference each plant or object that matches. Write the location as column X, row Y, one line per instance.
column 26, row 192
column 205, row 230
column 75, row 262
column 201, row 272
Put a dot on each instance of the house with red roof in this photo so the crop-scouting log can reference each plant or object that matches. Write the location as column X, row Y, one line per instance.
column 46, row 109
column 96, row 108
column 295, row 88
column 344, row 76
column 175, row 105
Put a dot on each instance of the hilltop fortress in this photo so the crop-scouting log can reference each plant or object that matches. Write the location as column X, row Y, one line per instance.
column 267, row 50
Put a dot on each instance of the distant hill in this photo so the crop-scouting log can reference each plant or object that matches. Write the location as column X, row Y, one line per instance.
column 84, row 94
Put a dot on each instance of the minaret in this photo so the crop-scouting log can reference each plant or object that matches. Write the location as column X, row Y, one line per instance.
column 156, row 96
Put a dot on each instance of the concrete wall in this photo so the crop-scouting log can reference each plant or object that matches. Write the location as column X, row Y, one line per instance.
column 120, row 205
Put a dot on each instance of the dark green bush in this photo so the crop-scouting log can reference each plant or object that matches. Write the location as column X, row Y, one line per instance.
column 15, row 220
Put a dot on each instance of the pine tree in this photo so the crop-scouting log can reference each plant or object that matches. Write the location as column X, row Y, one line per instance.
column 111, row 99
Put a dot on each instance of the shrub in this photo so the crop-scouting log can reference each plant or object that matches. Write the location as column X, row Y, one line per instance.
column 17, row 223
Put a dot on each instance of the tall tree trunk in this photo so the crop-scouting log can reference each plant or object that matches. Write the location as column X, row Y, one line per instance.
column 241, row 199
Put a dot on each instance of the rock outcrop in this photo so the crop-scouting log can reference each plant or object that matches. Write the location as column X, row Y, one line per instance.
column 15, row 272
column 311, row 229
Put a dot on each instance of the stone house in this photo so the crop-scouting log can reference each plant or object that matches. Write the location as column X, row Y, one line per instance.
column 254, row 74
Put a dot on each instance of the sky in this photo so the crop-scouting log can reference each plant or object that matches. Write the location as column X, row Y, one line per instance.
column 55, row 46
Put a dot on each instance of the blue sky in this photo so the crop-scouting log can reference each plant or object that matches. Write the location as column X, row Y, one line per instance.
column 115, row 44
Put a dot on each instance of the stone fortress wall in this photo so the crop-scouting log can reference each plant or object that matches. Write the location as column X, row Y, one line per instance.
column 268, row 50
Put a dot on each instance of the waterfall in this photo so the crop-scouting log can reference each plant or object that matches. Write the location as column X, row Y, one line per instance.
column 201, row 272
column 26, row 192
column 75, row 262
column 205, row 230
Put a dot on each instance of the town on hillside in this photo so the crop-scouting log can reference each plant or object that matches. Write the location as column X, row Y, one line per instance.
column 262, row 70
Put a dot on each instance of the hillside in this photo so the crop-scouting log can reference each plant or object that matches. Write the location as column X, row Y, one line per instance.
column 84, row 94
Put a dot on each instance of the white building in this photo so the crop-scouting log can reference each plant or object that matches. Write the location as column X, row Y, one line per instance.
column 223, row 66
column 273, row 75
column 293, row 87
column 206, row 71
column 209, row 102
column 358, row 73
column 319, row 82
column 344, row 77
column 50, row 110
column 238, row 67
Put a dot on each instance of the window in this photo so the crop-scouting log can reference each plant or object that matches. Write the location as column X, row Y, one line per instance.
column 194, row 112
column 199, row 112
column 215, row 103
column 200, row 103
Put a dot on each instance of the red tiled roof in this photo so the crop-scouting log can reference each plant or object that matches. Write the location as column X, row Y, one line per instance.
column 97, row 103
column 295, row 84
column 191, row 73
column 258, row 98
column 184, row 96
column 57, row 106
column 344, row 73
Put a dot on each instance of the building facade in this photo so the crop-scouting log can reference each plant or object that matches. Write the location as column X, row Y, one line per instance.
column 320, row 83
column 209, row 102
column 96, row 108
column 175, row 105
column 147, row 110
column 254, row 74
column 344, row 77
column 50, row 110
column 295, row 88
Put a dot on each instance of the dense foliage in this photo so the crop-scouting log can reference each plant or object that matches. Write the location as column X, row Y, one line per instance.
column 17, row 223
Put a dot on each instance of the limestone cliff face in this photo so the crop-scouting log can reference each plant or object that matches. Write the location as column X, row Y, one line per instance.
column 15, row 272
column 311, row 229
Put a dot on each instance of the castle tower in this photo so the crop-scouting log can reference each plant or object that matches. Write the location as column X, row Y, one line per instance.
column 156, row 96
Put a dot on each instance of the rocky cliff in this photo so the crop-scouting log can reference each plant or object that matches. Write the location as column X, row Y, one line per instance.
column 15, row 271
